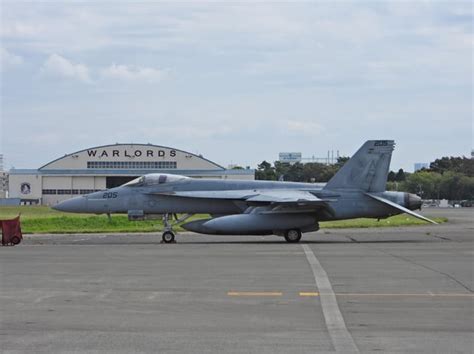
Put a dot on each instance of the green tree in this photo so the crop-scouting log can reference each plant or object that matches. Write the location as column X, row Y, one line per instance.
column 314, row 171
column 400, row 176
column 281, row 170
column 454, row 164
column 392, row 186
column 341, row 160
column 425, row 184
column 295, row 173
column 391, row 176
column 456, row 186
column 265, row 171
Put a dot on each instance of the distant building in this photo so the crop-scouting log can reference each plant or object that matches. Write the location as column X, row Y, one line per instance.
column 289, row 157
column 294, row 157
column 3, row 180
column 421, row 165
column 234, row 166
column 3, row 184
column 443, row 203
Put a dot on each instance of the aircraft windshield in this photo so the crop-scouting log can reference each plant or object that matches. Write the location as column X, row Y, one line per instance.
column 135, row 182
column 154, row 178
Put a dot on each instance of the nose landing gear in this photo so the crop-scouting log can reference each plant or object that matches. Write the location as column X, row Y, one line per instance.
column 168, row 233
column 168, row 237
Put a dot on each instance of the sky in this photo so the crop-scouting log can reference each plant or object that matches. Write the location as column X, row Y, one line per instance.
column 237, row 82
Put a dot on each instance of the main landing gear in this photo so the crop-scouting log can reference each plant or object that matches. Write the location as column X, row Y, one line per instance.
column 293, row 236
column 168, row 237
column 168, row 233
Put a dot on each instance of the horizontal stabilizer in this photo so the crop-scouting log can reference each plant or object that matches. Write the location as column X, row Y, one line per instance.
column 399, row 207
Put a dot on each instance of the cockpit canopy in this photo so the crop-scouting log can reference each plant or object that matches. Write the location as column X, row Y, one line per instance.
column 153, row 179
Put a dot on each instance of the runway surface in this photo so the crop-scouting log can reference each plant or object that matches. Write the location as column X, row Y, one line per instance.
column 396, row 290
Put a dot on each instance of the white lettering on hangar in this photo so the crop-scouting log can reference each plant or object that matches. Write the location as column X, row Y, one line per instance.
column 131, row 153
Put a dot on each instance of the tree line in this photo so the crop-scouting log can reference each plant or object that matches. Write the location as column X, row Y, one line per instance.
column 449, row 178
column 298, row 172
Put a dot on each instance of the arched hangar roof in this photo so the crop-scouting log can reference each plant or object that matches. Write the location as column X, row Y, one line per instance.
column 132, row 155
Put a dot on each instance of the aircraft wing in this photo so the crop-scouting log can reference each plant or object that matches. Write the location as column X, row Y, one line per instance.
column 226, row 194
column 284, row 196
column 275, row 197
column 253, row 195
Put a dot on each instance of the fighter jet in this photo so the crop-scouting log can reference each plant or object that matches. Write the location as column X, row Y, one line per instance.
column 235, row 207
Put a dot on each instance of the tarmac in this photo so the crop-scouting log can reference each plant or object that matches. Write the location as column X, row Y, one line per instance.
column 390, row 290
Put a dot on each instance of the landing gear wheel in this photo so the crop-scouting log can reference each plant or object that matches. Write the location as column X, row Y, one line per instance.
column 15, row 240
column 293, row 236
column 168, row 237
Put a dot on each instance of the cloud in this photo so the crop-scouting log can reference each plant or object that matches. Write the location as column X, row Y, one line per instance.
column 8, row 59
column 136, row 73
column 192, row 130
column 16, row 29
column 268, row 69
column 59, row 67
column 303, row 127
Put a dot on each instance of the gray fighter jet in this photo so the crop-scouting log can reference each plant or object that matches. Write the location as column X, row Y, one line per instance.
column 286, row 209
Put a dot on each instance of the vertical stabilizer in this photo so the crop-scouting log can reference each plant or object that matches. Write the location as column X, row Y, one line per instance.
column 367, row 170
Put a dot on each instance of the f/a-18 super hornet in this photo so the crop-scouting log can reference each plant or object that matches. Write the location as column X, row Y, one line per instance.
column 235, row 207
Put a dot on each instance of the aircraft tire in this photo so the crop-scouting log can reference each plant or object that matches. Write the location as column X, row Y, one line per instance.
column 293, row 236
column 168, row 237
column 15, row 240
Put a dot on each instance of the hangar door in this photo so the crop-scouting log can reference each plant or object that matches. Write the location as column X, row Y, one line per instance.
column 115, row 181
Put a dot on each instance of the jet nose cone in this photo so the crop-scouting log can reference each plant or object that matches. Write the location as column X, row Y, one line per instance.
column 74, row 205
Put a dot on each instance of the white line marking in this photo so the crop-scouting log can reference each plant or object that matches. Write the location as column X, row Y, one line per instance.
column 340, row 336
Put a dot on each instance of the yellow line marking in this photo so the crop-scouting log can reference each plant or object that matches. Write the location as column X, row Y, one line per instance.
column 309, row 294
column 254, row 293
column 316, row 294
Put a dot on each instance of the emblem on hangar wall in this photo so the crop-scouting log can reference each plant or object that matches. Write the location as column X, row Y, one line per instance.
column 25, row 188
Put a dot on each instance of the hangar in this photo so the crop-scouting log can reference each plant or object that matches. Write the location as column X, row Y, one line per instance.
column 101, row 167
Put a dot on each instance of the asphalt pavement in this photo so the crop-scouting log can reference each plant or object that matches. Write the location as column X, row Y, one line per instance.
column 390, row 290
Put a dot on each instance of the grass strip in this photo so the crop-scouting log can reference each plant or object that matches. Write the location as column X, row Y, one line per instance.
column 42, row 219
